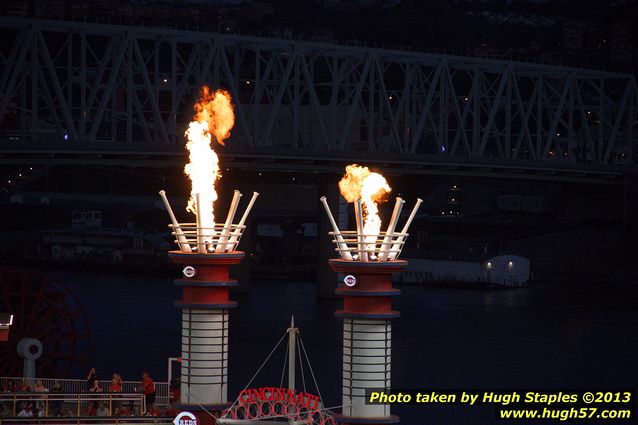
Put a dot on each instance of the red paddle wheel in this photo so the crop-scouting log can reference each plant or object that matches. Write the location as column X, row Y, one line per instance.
column 46, row 310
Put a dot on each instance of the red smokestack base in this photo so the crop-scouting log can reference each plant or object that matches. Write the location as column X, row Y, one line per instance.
column 371, row 296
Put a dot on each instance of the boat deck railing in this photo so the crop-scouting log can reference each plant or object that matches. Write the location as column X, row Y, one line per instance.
column 132, row 420
column 48, row 404
column 77, row 386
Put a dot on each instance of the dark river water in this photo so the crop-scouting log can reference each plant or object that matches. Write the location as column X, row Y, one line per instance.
column 542, row 337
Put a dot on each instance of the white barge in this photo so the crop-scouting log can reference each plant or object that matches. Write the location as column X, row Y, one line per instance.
column 501, row 270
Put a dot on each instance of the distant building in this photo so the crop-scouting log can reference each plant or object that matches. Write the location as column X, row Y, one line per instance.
column 621, row 47
column 16, row 8
column 50, row 9
column 485, row 47
column 525, row 204
column 80, row 10
column 584, row 42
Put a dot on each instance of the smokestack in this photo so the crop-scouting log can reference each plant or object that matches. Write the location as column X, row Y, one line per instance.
column 367, row 314
column 205, row 303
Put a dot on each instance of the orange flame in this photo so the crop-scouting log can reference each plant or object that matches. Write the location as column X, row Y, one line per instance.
column 214, row 116
column 216, row 109
column 361, row 183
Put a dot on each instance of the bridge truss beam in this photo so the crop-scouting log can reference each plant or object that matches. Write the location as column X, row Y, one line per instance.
column 108, row 86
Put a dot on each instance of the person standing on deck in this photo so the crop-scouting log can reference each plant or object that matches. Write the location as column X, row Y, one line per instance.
column 116, row 383
column 96, row 388
column 116, row 387
column 91, row 377
column 40, row 403
column 56, row 406
column 148, row 388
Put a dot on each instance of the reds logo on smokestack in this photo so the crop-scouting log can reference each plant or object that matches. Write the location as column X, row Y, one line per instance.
column 185, row 418
column 350, row 280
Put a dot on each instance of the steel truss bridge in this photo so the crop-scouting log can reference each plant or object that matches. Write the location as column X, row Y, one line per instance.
column 123, row 95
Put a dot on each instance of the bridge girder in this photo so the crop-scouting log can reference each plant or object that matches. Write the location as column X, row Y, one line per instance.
column 118, row 87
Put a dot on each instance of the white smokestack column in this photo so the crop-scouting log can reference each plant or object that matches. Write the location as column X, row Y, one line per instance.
column 367, row 337
column 367, row 346
column 204, row 356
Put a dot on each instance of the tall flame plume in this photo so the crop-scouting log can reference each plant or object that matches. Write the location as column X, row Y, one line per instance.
column 370, row 187
column 214, row 118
